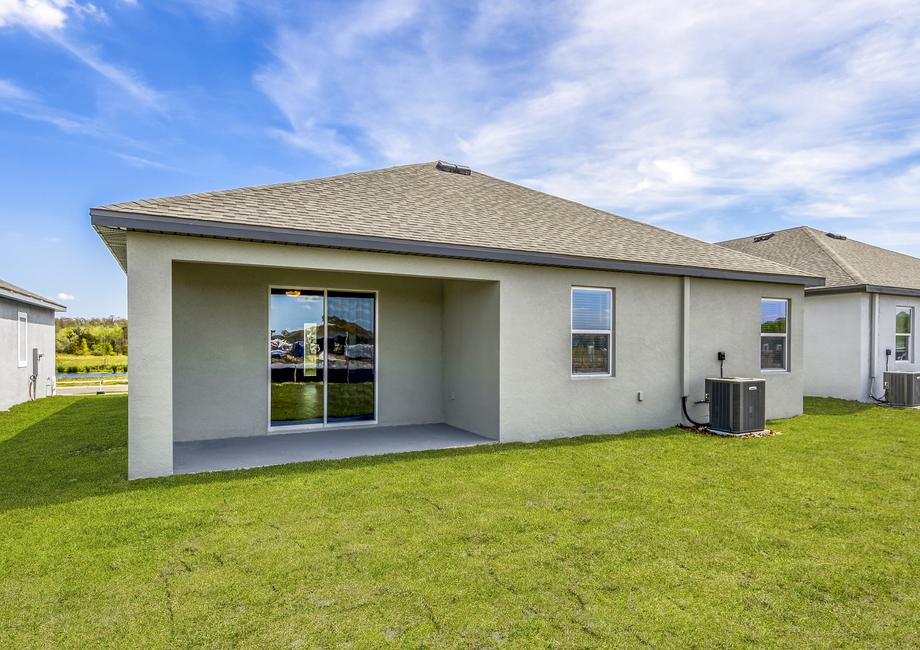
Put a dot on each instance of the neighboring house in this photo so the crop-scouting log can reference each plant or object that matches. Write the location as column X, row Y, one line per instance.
column 26, row 345
column 862, row 322
column 451, row 297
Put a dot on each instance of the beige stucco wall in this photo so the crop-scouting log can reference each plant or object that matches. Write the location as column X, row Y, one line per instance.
column 541, row 399
column 150, row 399
column 538, row 398
column 220, row 338
column 471, row 325
column 725, row 317
column 14, row 380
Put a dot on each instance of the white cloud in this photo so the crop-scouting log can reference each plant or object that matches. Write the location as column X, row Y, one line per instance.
column 13, row 91
column 688, row 114
column 145, row 163
column 19, row 101
column 49, row 18
column 44, row 15
column 299, row 86
column 33, row 14
column 67, row 297
column 214, row 9
column 118, row 76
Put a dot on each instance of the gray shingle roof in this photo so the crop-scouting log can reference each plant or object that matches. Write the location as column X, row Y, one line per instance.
column 843, row 262
column 419, row 203
column 9, row 290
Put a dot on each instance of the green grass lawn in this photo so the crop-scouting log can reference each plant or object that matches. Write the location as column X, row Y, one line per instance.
column 664, row 538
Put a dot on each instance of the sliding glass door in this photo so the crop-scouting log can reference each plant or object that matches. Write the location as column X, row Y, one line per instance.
column 322, row 357
column 350, row 364
column 296, row 358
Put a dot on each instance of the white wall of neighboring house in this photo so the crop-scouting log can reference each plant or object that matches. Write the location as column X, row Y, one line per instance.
column 14, row 376
column 507, row 366
column 887, row 308
column 837, row 344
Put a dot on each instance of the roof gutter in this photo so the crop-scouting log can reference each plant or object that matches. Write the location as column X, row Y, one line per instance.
column 865, row 288
column 29, row 300
column 222, row 230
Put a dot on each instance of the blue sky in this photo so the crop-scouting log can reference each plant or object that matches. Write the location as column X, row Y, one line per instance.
column 712, row 119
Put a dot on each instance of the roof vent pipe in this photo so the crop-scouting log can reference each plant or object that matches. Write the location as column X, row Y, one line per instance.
column 454, row 168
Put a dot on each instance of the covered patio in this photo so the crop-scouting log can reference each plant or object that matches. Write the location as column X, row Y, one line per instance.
column 395, row 364
column 328, row 444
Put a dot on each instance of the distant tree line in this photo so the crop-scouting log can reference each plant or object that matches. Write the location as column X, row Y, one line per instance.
column 91, row 336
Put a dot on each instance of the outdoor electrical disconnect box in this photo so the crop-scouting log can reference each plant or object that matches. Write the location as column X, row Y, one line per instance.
column 736, row 404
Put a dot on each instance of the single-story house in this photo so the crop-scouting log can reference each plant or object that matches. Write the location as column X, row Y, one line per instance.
column 26, row 345
column 425, row 299
column 862, row 321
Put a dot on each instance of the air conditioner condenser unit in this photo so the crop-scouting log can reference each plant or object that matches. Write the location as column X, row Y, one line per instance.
column 902, row 388
column 736, row 404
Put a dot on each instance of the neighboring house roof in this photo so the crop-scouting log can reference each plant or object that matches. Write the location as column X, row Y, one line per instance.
column 847, row 264
column 422, row 209
column 12, row 292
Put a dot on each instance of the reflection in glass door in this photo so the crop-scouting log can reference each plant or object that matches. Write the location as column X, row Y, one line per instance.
column 350, row 366
column 322, row 357
column 296, row 355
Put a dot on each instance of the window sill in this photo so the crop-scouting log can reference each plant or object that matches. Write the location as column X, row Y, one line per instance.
column 770, row 371
column 593, row 376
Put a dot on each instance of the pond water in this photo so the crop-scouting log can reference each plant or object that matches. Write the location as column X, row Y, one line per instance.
column 90, row 375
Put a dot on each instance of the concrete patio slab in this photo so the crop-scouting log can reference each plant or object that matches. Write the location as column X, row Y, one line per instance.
column 326, row 444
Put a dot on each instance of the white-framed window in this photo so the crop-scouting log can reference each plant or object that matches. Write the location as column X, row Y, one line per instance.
column 904, row 334
column 774, row 334
column 592, row 332
column 22, row 339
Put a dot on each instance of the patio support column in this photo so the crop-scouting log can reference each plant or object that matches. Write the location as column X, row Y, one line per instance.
column 150, row 401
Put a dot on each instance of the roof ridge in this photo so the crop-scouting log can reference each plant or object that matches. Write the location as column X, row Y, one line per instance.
column 887, row 251
column 745, row 238
column 835, row 256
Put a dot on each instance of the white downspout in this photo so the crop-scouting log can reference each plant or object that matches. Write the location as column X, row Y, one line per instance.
column 873, row 341
column 685, row 339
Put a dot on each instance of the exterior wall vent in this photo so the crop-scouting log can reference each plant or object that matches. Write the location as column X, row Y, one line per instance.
column 834, row 235
column 760, row 238
column 736, row 404
column 454, row 168
column 902, row 388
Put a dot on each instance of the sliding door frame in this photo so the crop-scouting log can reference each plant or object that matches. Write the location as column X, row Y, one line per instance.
column 325, row 424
